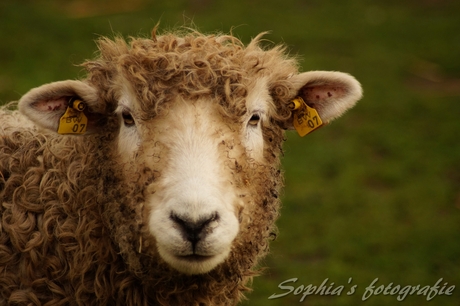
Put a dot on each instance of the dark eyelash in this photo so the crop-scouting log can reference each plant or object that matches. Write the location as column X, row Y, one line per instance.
column 254, row 120
column 128, row 119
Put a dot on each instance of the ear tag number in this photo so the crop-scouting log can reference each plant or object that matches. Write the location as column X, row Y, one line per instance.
column 306, row 118
column 74, row 121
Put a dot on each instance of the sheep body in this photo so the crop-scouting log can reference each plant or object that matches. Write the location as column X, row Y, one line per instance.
column 91, row 220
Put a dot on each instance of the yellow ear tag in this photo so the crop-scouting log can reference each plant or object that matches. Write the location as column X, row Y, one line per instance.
column 306, row 118
column 74, row 121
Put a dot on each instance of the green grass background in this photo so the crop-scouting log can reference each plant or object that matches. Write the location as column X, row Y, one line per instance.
column 376, row 194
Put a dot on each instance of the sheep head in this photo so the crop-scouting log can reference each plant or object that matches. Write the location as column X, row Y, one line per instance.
column 197, row 125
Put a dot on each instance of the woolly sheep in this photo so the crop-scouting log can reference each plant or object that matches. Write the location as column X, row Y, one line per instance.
column 171, row 195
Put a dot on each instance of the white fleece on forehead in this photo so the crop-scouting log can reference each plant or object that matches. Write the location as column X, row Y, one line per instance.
column 194, row 183
column 128, row 139
column 259, row 98
column 260, row 103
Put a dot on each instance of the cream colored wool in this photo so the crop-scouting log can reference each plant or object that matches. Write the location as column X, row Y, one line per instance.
column 74, row 214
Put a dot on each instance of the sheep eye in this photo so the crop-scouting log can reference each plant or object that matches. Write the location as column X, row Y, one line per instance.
column 127, row 119
column 254, row 120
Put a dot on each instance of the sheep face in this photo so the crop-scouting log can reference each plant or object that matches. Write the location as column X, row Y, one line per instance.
column 198, row 123
column 193, row 205
column 196, row 203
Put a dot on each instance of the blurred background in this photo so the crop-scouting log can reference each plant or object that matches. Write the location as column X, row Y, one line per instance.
column 376, row 194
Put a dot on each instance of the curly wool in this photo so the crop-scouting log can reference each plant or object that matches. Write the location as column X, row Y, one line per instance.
column 71, row 228
column 193, row 65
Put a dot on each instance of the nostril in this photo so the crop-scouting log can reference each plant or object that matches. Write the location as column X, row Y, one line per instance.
column 181, row 221
column 195, row 230
column 213, row 221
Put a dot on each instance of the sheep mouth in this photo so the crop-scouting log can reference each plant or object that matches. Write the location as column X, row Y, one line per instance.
column 194, row 263
column 195, row 258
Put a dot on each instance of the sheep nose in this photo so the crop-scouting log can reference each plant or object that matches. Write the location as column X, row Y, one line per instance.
column 195, row 230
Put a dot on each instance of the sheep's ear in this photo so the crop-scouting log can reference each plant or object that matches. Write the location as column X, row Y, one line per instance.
column 45, row 105
column 330, row 93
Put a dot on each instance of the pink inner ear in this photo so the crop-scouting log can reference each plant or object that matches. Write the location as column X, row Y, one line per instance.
column 321, row 94
column 52, row 105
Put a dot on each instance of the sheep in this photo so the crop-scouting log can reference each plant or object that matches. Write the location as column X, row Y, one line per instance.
column 156, row 179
